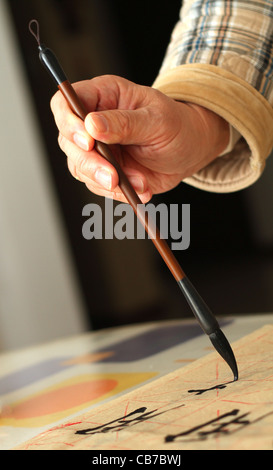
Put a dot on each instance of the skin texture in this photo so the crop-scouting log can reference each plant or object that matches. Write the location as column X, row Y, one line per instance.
column 162, row 141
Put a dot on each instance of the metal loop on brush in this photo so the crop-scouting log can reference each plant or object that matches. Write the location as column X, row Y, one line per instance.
column 36, row 33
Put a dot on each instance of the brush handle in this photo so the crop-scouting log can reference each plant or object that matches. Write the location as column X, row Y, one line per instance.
column 52, row 65
column 200, row 309
column 126, row 187
column 207, row 321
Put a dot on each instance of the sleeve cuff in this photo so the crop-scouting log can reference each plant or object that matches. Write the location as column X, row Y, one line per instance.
column 243, row 107
column 234, row 136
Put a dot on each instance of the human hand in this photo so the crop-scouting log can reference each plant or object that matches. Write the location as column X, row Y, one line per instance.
column 162, row 141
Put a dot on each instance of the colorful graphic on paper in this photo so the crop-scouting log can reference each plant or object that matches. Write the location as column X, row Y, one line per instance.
column 68, row 397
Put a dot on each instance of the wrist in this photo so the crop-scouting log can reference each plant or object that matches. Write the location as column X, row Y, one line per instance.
column 214, row 131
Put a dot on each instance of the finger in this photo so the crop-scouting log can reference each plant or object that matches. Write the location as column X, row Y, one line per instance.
column 89, row 165
column 136, row 178
column 117, row 195
column 70, row 125
column 97, row 189
column 121, row 126
column 100, row 91
column 83, row 178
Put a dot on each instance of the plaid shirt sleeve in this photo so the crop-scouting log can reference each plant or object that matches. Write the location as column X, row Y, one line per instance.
column 221, row 56
column 235, row 35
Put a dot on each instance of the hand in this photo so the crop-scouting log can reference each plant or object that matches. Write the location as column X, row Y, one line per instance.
column 162, row 141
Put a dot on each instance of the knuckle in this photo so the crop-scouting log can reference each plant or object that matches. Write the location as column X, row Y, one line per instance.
column 64, row 118
column 73, row 170
column 81, row 166
column 64, row 124
column 74, row 154
column 53, row 103
column 71, row 167
column 124, row 124
column 61, row 141
column 56, row 104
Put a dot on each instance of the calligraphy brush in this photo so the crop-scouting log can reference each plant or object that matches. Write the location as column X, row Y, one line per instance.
column 201, row 311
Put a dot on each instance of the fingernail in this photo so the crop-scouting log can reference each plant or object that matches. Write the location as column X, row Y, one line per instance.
column 137, row 183
column 99, row 122
column 81, row 141
column 104, row 178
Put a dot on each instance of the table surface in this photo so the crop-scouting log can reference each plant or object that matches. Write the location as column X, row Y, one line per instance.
column 44, row 386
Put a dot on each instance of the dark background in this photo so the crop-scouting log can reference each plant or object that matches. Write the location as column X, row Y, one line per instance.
column 225, row 260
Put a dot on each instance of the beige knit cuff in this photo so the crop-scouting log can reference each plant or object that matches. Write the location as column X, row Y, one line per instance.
column 243, row 107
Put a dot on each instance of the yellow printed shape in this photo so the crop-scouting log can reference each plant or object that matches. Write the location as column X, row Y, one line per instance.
column 68, row 397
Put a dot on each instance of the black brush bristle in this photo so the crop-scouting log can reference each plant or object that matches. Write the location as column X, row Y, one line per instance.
column 223, row 347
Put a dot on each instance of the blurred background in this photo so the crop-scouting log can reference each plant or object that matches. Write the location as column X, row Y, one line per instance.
column 53, row 282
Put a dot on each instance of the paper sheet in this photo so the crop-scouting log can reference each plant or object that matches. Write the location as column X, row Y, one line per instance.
column 196, row 407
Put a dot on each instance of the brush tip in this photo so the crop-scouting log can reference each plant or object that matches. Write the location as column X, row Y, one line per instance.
column 223, row 347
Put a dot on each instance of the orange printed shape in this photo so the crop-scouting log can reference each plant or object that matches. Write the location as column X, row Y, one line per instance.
column 60, row 399
column 66, row 398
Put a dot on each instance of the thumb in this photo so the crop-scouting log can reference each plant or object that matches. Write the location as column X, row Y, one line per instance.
column 119, row 126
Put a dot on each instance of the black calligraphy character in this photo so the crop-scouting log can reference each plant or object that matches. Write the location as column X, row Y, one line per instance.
column 215, row 426
column 204, row 390
column 120, row 423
